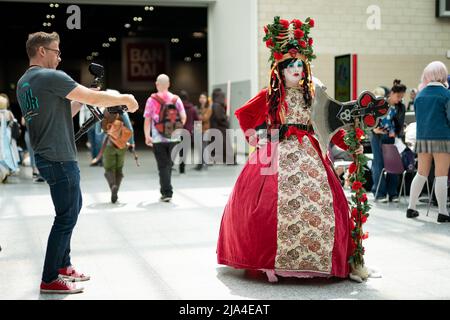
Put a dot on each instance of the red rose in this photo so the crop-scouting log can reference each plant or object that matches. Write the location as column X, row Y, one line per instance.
column 365, row 236
column 266, row 29
column 293, row 52
column 297, row 23
column 269, row 43
column 278, row 55
column 352, row 168
column 311, row 23
column 303, row 44
column 354, row 213
column 310, row 41
column 359, row 133
column 298, row 33
column 363, row 219
column 363, row 198
column 356, row 185
column 285, row 23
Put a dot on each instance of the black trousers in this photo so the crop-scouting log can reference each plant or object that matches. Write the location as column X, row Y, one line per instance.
column 163, row 153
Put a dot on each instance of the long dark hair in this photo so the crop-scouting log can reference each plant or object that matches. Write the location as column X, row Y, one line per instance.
column 277, row 92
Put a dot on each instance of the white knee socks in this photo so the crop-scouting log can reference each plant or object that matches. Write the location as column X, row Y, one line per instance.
column 416, row 189
column 440, row 189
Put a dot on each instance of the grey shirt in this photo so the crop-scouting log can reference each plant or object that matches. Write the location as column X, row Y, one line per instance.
column 41, row 93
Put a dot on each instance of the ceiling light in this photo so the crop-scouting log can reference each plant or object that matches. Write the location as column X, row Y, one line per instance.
column 198, row 34
column 48, row 16
column 197, row 55
column 139, row 19
column 127, row 25
column 95, row 54
column 56, row 5
column 89, row 58
column 52, row 16
column 151, row 8
column 175, row 40
column 51, row 5
column 187, row 59
column 112, row 39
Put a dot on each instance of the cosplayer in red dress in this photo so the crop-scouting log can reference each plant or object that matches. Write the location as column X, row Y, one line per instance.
column 287, row 214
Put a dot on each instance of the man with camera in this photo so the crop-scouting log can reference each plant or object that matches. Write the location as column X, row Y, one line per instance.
column 49, row 98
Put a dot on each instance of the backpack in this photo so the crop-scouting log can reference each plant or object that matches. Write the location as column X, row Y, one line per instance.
column 408, row 159
column 169, row 117
column 116, row 130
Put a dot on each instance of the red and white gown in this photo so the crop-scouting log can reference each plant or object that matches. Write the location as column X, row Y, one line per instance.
column 295, row 221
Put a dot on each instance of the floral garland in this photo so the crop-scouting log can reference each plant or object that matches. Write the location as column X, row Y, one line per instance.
column 359, row 204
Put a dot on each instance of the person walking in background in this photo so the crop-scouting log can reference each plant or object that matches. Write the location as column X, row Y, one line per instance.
column 205, row 112
column 118, row 131
column 219, row 120
column 156, row 110
column 412, row 97
column 385, row 133
column 9, row 133
column 432, row 107
column 191, row 117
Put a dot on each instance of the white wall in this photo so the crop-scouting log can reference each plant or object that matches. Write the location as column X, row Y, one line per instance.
column 232, row 42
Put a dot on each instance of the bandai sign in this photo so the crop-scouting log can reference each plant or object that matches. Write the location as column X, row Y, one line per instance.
column 142, row 61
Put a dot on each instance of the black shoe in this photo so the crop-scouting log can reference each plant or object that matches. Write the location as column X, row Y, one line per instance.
column 114, row 196
column 394, row 199
column 443, row 218
column 411, row 213
column 166, row 198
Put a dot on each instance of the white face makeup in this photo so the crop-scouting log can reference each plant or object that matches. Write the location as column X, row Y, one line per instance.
column 293, row 73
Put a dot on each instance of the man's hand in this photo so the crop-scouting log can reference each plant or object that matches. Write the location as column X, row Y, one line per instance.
column 149, row 141
column 379, row 131
column 131, row 103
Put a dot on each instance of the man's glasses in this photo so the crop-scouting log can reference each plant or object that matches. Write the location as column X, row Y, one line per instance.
column 56, row 50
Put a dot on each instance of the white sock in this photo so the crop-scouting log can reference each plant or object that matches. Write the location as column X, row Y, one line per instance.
column 416, row 189
column 440, row 190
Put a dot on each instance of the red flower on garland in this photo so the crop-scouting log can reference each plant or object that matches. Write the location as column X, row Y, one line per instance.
column 285, row 23
column 354, row 213
column 365, row 236
column 269, row 43
column 278, row 55
column 363, row 198
column 310, row 41
column 298, row 24
column 303, row 44
column 311, row 23
column 356, row 185
column 369, row 120
column 298, row 33
column 266, row 29
column 363, row 219
column 352, row 168
column 359, row 133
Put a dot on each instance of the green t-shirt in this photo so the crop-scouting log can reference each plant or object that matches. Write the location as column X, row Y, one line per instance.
column 41, row 93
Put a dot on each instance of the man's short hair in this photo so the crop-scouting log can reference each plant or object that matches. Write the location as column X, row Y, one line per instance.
column 39, row 39
column 163, row 79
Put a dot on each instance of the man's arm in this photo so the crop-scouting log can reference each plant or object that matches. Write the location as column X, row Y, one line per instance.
column 85, row 95
column 147, row 126
column 76, row 107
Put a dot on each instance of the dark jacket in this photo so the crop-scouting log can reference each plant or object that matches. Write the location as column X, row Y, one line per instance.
column 191, row 116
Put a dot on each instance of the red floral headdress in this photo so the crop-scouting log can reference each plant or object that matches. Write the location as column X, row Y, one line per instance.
column 288, row 40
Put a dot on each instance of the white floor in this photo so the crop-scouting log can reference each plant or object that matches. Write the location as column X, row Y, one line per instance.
column 141, row 248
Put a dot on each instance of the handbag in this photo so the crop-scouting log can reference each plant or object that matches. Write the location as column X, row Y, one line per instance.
column 118, row 133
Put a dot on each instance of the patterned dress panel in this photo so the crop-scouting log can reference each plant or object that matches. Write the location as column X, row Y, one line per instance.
column 305, row 231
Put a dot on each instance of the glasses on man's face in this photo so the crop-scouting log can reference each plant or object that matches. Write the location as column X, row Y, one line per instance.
column 56, row 50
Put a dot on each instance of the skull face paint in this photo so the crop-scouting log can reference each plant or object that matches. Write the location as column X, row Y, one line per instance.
column 293, row 73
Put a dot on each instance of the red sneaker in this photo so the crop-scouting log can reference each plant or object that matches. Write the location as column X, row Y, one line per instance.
column 70, row 274
column 60, row 286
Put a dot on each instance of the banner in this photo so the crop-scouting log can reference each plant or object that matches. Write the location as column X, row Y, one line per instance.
column 143, row 60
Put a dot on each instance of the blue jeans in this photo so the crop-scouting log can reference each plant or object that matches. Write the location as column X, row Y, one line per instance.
column 63, row 177
column 389, row 184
